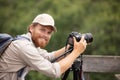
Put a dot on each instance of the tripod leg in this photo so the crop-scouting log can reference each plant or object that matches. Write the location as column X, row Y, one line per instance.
column 82, row 76
column 74, row 75
column 78, row 75
column 64, row 77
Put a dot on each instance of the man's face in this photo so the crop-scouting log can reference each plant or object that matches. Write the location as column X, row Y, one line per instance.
column 41, row 35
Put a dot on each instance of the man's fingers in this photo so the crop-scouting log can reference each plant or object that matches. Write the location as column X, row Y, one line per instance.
column 74, row 39
column 82, row 38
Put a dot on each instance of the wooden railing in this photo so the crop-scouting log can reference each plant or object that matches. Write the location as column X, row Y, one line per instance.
column 102, row 64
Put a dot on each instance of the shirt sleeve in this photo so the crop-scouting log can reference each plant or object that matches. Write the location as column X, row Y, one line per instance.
column 31, row 57
column 47, row 55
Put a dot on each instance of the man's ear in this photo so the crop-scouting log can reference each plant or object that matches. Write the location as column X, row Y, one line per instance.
column 30, row 28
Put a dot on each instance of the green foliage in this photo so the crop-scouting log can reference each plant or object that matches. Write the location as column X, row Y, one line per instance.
column 33, row 75
column 100, row 17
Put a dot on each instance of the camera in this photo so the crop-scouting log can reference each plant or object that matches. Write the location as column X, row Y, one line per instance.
column 88, row 37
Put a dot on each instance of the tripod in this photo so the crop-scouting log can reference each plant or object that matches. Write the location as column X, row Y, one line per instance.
column 77, row 70
column 76, row 67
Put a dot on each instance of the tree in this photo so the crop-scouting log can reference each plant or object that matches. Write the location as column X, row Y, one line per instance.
column 100, row 17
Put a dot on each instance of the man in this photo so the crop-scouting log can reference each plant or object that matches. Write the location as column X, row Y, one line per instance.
column 29, row 54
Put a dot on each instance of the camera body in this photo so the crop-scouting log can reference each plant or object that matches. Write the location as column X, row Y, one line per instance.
column 88, row 37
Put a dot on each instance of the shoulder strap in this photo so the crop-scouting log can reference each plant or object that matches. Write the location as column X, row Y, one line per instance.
column 20, row 72
column 5, row 40
column 21, row 37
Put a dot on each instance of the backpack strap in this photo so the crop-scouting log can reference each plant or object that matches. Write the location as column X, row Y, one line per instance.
column 5, row 40
column 22, row 70
column 21, row 37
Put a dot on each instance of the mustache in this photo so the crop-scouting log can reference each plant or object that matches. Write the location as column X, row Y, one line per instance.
column 43, row 37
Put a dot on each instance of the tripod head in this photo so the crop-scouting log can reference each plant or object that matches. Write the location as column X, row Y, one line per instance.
column 77, row 65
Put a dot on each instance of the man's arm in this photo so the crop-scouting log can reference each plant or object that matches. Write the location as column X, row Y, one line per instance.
column 59, row 52
column 78, row 49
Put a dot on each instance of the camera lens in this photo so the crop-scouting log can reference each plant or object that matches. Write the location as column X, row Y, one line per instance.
column 88, row 37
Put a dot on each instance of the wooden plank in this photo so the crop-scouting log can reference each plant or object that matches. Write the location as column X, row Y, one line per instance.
column 101, row 63
column 117, row 76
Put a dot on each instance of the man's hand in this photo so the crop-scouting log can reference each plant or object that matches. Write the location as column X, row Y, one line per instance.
column 80, row 46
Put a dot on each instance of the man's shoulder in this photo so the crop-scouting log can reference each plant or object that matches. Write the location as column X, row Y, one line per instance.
column 23, row 39
column 20, row 42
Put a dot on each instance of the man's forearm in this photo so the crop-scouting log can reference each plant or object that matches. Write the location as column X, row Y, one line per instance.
column 59, row 52
column 66, row 62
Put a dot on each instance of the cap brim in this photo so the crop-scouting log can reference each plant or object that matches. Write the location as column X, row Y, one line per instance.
column 54, row 28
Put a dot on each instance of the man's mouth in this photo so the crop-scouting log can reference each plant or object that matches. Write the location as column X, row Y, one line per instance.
column 44, row 39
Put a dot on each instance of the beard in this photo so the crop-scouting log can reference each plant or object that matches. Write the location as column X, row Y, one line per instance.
column 40, row 42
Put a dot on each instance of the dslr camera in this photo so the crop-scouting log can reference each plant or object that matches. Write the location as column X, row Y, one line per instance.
column 88, row 37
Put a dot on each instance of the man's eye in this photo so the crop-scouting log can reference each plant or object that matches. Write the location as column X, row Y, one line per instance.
column 49, row 33
column 43, row 30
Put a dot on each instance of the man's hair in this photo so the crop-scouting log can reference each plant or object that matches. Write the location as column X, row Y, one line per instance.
column 33, row 24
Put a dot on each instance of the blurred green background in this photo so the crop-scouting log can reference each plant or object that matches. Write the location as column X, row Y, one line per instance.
column 99, row 17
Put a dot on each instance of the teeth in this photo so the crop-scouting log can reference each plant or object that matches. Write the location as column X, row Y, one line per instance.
column 42, row 39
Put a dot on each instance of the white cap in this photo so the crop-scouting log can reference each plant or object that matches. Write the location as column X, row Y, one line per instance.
column 45, row 19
